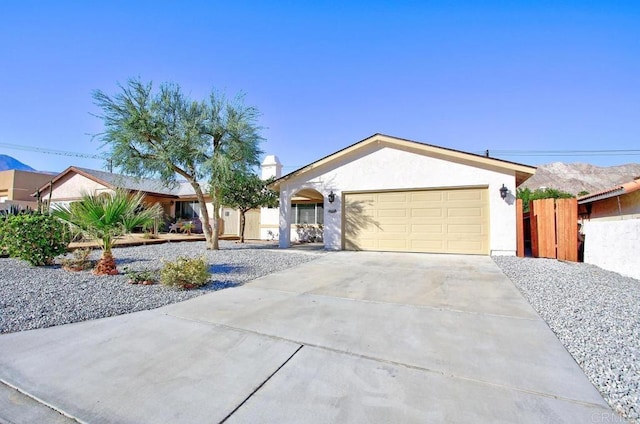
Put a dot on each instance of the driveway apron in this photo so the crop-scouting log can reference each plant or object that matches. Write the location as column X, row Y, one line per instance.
column 349, row 337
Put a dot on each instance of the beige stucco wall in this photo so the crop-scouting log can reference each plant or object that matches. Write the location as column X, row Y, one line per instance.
column 385, row 168
column 72, row 186
column 20, row 185
column 619, row 207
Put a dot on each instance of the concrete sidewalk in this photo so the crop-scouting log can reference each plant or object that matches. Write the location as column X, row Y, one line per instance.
column 350, row 337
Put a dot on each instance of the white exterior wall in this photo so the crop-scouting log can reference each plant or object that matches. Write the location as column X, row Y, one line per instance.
column 613, row 245
column 269, row 217
column 393, row 169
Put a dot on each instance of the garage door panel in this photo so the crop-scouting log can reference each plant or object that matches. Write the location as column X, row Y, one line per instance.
column 427, row 245
column 468, row 194
column 393, row 244
column 426, row 196
column 464, row 212
column 392, row 197
column 393, row 228
column 467, row 229
column 427, row 229
column 394, row 213
column 465, row 246
column 441, row 221
column 426, row 212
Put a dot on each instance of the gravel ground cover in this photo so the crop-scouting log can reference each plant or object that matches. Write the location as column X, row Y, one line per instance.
column 595, row 314
column 38, row 297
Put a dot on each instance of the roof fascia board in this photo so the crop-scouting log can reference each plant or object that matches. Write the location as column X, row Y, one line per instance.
column 416, row 147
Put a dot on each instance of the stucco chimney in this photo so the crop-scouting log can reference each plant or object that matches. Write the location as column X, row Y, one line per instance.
column 271, row 167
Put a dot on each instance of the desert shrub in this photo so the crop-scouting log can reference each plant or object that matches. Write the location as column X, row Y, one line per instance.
column 145, row 277
column 79, row 260
column 35, row 238
column 185, row 273
column 3, row 249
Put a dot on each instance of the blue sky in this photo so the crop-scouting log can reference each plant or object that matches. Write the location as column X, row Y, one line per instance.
column 503, row 75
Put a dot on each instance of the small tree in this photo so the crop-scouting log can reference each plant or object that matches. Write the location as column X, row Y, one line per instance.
column 164, row 133
column 246, row 191
column 547, row 193
column 102, row 217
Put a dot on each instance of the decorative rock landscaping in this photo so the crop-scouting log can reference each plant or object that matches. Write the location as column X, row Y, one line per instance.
column 595, row 314
column 37, row 297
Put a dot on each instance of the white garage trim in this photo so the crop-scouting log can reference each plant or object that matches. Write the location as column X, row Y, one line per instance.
column 432, row 220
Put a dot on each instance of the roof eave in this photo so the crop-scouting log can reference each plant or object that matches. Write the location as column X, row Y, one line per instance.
column 523, row 172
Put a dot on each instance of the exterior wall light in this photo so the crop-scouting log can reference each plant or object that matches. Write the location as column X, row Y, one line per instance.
column 331, row 197
column 503, row 191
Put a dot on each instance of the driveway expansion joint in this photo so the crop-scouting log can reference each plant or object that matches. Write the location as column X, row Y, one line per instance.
column 261, row 385
column 382, row 360
column 52, row 408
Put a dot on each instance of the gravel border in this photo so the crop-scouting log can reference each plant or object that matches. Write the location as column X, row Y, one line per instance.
column 38, row 297
column 596, row 315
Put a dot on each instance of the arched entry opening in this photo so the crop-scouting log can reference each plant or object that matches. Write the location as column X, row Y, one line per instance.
column 307, row 216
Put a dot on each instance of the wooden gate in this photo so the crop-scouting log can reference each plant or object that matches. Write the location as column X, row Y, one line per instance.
column 554, row 229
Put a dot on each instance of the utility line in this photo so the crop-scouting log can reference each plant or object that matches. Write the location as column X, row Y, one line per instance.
column 59, row 153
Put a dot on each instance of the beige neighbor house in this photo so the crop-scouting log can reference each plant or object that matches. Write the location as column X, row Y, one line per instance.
column 611, row 225
column 178, row 202
column 17, row 186
column 390, row 194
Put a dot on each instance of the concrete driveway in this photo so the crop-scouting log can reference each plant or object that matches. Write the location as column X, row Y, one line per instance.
column 351, row 337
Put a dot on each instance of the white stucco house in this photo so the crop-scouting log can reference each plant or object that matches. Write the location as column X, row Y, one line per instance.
column 390, row 194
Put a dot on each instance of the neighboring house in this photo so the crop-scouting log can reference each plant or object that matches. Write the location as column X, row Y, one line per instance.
column 611, row 225
column 17, row 186
column 179, row 202
column 620, row 202
column 389, row 194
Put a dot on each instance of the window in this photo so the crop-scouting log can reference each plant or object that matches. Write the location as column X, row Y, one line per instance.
column 307, row 213
column 187, row 210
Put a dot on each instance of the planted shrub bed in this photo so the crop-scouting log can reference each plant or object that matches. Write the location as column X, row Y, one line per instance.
column 37, row 297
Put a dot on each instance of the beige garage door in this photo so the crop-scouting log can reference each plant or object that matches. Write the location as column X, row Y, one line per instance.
column 437, row 221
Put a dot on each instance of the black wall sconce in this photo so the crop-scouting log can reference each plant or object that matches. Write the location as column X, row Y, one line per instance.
column 331, row 197
column 503, row 191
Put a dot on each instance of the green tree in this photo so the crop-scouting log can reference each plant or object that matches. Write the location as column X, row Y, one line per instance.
column 166, row 134
column 547, row 193
column 246, row 191
column 102, row 217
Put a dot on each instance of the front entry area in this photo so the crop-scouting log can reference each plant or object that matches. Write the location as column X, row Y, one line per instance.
column 431, row 221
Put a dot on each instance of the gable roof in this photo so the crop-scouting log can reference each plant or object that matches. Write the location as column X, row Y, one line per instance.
column 522, row 172
column 625, row 188
column 111, row 180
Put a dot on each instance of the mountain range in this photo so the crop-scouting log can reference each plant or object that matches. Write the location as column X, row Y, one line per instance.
column 7, row 162
column 578, row 178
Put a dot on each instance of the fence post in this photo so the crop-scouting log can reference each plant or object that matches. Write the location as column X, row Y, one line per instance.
column 519, row 229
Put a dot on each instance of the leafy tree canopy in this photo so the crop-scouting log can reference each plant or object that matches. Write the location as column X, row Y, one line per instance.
column 547, row 193
column 164, row 133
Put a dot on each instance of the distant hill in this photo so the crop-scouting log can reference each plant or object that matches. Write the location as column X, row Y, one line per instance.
column 7, row 162
column 576, row 177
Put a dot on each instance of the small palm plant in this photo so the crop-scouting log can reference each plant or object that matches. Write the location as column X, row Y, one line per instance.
column 104, row 217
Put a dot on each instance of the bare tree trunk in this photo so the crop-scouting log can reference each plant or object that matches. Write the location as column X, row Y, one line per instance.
column 210, row 237
column 242, row 222
column 216, row 223
column 216, row 220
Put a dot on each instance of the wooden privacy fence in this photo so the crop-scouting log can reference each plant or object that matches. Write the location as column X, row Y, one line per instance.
column 553, row 227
